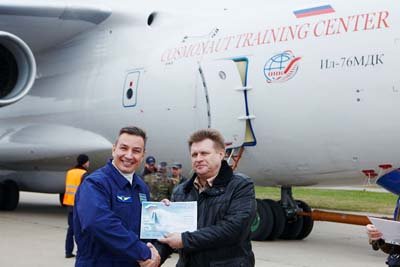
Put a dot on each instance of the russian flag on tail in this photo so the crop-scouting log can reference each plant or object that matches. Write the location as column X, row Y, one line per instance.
column 314, row 11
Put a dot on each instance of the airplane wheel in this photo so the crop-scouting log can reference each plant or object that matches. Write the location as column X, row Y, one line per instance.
column 279, row 219
column 11, row 195
column 262, row 224
column 308, row 222
column 2, row 199
column 293, row 228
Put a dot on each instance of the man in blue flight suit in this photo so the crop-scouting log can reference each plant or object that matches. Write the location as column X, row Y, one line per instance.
column 107, row 209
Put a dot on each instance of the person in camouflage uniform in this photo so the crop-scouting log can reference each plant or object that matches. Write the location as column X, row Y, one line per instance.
column 176, row 173
column 160, row 185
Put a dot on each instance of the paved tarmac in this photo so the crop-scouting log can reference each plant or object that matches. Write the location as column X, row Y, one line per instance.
column 34, row 234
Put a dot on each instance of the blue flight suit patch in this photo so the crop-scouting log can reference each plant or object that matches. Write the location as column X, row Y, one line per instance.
column 124, row 199
column 142, row 197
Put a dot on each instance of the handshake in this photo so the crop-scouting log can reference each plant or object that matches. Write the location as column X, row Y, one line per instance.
column 155, row 259
column 173, row 240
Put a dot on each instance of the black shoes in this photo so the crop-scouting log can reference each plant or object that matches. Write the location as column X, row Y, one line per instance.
column 69, row 255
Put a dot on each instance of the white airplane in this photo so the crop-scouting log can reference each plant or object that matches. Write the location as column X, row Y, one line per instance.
column 305, row 92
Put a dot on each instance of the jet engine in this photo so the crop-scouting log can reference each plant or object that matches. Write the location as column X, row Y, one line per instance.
column 17, row 68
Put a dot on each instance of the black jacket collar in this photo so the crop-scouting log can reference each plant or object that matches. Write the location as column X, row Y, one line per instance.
column 223, row 178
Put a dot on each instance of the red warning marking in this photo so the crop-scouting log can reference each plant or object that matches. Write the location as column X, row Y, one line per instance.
column 370, row 173
column 385, row 166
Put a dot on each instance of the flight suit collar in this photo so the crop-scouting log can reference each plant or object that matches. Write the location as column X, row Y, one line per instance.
column 120, row 180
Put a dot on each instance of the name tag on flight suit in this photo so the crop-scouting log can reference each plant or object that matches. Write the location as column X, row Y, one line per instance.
column 142, row 197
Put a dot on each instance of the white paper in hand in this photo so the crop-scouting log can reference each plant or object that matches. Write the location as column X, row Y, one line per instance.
column 389, row 229
column 159, row 220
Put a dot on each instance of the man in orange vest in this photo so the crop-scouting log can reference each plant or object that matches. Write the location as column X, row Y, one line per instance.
column 73, row 179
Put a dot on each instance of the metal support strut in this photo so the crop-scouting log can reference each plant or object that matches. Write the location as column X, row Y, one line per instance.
column 233, row 156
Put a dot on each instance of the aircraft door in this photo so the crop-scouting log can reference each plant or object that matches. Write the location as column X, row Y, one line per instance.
column 225, row 100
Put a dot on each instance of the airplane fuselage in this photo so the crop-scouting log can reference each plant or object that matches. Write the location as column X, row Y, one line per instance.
column 317, row 94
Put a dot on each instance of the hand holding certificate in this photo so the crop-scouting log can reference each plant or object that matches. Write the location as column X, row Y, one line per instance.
column 159, row 219
column 390, row 229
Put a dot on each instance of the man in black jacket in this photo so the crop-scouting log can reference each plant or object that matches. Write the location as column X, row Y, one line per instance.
column 226, row 208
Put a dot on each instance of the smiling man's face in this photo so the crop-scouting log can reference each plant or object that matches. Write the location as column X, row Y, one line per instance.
column 128, row 152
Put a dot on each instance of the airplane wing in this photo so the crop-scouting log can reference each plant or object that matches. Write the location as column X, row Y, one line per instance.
column 50, row 22
column 42, row 141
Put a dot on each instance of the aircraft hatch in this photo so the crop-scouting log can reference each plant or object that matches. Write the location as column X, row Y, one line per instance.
column 225, row 88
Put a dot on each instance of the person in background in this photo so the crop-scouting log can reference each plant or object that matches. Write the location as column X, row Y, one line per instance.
column 391, row 182
column 160, row 185
column 107, row 209
column 176, row 173
column 149, row 166
column 73, row 179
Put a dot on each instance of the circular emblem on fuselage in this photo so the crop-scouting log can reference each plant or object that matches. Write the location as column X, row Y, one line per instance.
column 281, row 67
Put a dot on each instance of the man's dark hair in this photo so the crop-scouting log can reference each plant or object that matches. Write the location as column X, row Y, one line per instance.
column 82, row 159
column 204, row 134
column 133, row 130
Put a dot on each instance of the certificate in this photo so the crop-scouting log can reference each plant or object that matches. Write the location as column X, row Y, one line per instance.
column 159, row 219
column 389, row 229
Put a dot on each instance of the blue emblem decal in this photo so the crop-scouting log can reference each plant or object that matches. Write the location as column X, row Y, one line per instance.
column 281, row 67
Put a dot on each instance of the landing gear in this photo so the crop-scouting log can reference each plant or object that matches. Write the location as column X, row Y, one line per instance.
column 280, row 219
column 9, row 195
column 293, row 228
column 261, row 228
column 308, row 222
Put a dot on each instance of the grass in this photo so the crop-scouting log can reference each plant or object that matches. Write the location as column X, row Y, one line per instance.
column 332, row 199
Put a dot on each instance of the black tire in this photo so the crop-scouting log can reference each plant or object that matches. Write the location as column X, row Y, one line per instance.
column 279, row 219
column 293, row 228
column 308, row 222
column 2, row 197
column 11, row 195
column 262, row 224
